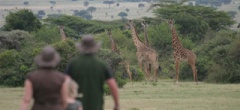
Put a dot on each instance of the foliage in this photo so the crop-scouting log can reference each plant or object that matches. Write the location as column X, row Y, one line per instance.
column 216, row 60
column 41, row 12
column 15, row 39
column 195, row 20
column 140, row 5
column 52, row 2
column 86, row 3
column 47, row 34
column 109, row 2
column 123, row 15
column 84, row 14
column 67, row 51
column 25, row 3
column 232, row 13
column 91, row 9
column 23, row 20
column 117, row 4
column 137, row 74
column 127, row 10
column 81, row 26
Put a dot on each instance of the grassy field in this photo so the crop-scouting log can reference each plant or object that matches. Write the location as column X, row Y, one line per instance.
column 163, row 95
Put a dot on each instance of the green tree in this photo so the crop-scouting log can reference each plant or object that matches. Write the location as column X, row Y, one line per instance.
column 84, row 14
column 47, row 34
column 23, row 20
column 26, row 3
column 109, row 2
column 218, row 58
column 86, row 3
column 123, row 15
column 91, row 9
column 140, row 5
column 52, row 2
column 127, row 10
column 15, row 39
column 195, row 19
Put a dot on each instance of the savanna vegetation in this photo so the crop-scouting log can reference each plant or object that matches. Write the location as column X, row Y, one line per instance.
column 204, row 30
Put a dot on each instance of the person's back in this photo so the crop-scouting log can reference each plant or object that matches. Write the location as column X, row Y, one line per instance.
column 47, row 84
column 90, row 72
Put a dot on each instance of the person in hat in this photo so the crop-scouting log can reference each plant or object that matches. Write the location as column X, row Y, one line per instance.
column 47, row 86
column 91, row 72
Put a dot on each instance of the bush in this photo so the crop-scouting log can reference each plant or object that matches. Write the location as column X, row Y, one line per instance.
column 137, row 74
column 15, row 39
column 23, row 20
column 218, row 58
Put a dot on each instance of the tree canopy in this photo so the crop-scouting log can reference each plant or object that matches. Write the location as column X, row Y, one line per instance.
column 23, row 20
column 195, row 19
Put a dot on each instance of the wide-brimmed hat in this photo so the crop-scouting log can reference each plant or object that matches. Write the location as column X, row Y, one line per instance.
column 88, row 45
column 48, row 57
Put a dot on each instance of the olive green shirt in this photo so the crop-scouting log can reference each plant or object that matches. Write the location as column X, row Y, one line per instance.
column 90, row 72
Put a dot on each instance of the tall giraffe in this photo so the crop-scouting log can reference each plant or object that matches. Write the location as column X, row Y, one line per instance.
column 63, row 35
column 114, row 49
column 145, row 54
column 182, row 54
column 146, row 42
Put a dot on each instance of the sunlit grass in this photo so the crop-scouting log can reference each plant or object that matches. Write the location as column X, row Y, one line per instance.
column 164, row 95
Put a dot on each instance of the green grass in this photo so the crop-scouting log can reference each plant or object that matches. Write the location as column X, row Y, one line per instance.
column 163, row 95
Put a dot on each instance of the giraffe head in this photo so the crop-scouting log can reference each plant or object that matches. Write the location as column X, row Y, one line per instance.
column 109, row 32
column 170, row 23
column 129, row 24
column 144, row 24
column 61, row 27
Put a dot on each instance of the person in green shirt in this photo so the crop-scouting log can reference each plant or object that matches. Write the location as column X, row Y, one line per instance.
column 91, row 72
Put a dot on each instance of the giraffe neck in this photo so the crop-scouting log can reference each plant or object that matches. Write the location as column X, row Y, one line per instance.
column 63, row 36
column 145, row 36
column 113, row 44
column 135, row 37
column 175, row 40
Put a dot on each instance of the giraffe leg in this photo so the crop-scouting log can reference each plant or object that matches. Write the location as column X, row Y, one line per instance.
column 140, row 64
column 177, row 71
column 128, row 71
column 146, row 72
column 194, row 70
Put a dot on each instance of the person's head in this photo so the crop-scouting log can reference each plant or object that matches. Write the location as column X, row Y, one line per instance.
column 88, row 45
column 48, row 57
column 72, row 89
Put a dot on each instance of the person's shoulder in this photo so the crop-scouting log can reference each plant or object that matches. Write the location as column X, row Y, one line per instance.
column 32, row 74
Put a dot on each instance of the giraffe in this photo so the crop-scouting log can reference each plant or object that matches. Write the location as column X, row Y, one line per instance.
column 145, row 33
column 114, row 49
column 63, row 35
column 145, row 54
column 182, row 54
